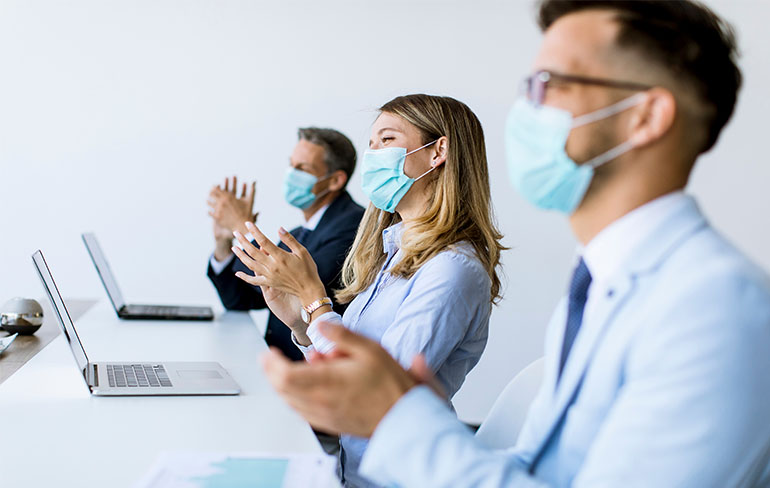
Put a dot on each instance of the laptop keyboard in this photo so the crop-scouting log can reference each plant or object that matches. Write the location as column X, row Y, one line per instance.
column 137, row 375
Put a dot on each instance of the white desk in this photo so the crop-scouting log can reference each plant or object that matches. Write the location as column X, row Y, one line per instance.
column 54, row 433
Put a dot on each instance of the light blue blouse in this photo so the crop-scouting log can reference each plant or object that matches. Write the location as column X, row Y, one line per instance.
column 442, row 311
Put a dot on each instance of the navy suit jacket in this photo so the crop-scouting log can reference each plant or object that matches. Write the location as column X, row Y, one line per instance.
column 328, row 244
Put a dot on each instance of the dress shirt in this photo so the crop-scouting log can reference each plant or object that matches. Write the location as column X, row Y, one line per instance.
column 310, row 224
column 442, row 311
column 666, row 384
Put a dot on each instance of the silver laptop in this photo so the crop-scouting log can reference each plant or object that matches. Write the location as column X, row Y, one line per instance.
column 134, row 378
column 139, row 312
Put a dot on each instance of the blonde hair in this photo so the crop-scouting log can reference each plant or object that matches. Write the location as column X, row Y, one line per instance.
column 459, row 210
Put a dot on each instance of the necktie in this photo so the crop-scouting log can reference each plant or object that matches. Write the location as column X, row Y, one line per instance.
column 578, row 293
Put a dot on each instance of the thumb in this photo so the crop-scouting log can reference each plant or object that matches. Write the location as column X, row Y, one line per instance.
column 420, row 370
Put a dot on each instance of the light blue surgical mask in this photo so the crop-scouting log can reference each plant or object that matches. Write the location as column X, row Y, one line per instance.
column 298, row 188
column 383, row 180
column 538, row 164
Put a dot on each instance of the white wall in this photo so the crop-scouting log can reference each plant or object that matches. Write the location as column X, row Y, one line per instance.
column 117, row 117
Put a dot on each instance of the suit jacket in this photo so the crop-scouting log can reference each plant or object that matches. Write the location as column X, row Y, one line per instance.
column 669, row 385
column 328, row 244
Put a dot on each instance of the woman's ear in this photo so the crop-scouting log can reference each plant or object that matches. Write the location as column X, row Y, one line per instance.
column 653, row 118
column 440, row 152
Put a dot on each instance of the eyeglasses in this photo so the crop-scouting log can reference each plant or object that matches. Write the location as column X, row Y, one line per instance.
column 535, row 86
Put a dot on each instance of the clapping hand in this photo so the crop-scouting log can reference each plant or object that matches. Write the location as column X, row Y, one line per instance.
column 230, row 211
column 289, row 280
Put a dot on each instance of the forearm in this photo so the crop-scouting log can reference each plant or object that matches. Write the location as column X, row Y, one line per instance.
column 222, row 249
column 420, row 443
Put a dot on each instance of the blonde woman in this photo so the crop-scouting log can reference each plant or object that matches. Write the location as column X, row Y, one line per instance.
column 421, row 276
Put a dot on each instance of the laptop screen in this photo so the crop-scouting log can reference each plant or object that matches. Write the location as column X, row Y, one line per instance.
column 104, row 271
column 60, row 310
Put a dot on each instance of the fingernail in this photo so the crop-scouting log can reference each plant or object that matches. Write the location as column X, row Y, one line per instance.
column 281, row 230
column 234, row 249
column 236, row 233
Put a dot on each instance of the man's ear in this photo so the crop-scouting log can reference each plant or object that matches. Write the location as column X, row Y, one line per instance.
column 652, row 118
column 440, row 152
column 337, row 180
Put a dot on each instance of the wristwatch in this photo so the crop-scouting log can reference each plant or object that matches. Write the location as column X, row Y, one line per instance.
column 307, row 311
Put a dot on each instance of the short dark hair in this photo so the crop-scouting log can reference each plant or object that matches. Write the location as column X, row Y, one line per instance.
column 683, row 37
column 339, row 152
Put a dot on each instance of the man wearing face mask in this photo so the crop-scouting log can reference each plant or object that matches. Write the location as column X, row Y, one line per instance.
column 320, row 167
column 656, row 360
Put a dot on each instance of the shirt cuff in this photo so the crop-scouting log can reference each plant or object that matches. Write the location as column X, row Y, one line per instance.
column 321, row 343
column 306, row 350
column 404, row 426
column 219, row 266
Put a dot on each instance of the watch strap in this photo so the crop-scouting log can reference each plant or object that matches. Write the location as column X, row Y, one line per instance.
column 317, row 304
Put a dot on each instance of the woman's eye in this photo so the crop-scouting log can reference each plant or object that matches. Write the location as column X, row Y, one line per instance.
column 385, row 139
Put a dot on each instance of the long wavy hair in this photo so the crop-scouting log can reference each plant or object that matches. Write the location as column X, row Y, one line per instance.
column 459, row 209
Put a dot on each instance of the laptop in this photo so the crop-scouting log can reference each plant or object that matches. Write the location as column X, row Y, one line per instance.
column 138, row 312
column 137, row 378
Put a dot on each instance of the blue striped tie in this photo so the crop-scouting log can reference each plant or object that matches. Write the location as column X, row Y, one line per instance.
column 578, row 293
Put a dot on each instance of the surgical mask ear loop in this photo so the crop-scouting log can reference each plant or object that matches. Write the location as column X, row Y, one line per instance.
column 608, row 111
column 422, row 147
column 324, row 193
column 603, row 113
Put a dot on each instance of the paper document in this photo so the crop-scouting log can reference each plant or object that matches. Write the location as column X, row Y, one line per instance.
column 241, row 470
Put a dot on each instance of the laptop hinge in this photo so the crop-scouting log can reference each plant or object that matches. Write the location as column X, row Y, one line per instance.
column 92, row 375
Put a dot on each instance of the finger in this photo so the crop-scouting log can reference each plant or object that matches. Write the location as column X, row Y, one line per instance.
column 234, row 188
column 347, row 342
column 421, row 372
column 315, row 356
column 253, row 191
column 256, row 280
column 227, row 184
column 253, row 263
column 291, row 242
column 249, row 248
column 243, row 191
column 299, row 378
column 264, row 243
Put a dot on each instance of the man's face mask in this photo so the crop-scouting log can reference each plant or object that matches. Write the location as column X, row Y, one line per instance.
column 538, row 164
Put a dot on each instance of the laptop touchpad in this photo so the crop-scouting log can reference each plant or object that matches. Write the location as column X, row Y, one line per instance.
column 199, row 374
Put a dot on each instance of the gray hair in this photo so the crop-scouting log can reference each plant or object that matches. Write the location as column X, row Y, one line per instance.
column 339, row 152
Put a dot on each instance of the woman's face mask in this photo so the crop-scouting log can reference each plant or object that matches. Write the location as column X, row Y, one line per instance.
column 383, row 179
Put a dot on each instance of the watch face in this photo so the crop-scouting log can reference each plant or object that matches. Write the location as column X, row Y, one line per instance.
column 305, row 316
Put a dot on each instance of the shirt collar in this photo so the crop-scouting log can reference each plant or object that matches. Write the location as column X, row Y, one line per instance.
column 391, row 238
column 611, row 247
column 312, row 222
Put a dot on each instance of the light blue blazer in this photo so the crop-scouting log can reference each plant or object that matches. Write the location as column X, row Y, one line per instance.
column 668, row 387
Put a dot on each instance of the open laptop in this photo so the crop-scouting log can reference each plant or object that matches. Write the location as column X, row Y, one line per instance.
column 140, row 312
column 134, row 378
